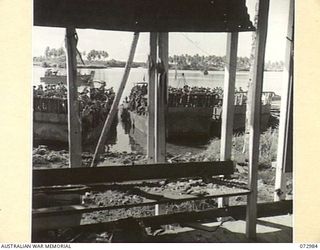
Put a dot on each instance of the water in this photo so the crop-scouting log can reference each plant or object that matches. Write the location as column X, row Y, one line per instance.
column 113, row 76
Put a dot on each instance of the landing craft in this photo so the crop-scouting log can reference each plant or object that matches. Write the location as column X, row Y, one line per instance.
column 192, row 112
column 54, row 77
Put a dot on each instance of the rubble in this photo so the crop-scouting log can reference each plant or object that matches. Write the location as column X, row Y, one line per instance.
column 43, row 157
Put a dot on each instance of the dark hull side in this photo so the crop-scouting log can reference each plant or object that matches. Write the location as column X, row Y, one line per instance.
column 198, row 123
column 240, row 118
column 181, row 122
column 52, row 128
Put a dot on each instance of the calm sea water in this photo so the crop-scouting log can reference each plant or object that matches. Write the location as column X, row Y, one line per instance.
column 113, row 76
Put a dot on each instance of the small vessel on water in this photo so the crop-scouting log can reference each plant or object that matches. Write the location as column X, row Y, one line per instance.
column 54, row 77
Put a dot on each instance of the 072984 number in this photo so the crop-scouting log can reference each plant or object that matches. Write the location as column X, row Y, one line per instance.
column 308, row 245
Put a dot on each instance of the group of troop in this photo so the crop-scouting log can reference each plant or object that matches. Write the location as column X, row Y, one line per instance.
column 177, row 97
column 50, row 91
column 138, row 98
column 94, row 103
column 194, row 97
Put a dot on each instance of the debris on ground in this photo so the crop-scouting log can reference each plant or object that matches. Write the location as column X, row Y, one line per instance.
column 43, row 157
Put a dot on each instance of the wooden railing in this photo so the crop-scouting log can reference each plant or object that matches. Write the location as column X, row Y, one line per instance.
column 48, row 182
column 53, row 183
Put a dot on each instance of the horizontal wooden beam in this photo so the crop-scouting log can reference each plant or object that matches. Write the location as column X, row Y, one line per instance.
column 68, row 176
column 100, row 187
column 80, row 209
column 145, row 15
column 237, row 212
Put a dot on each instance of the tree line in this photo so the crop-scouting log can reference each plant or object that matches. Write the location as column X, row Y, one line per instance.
column 92, row 55
column 96, row 55
column 212, row 62
column 182, row 62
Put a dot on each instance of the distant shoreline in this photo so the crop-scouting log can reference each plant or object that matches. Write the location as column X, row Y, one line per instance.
column 135, row 66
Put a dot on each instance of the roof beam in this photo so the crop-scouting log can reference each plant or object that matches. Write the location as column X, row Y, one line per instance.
column 145, row 15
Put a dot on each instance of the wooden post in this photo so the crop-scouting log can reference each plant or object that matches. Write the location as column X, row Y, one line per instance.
column 286, row 105
column 152, row 97
column 252, row 60
column 161, row 97
column 161, row 103
column 115, row 104
column 74, row 120
column 254, row 122
column 228, row 97
column 228, row 102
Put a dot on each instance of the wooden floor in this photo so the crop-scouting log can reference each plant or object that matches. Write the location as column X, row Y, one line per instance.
column 277, row 229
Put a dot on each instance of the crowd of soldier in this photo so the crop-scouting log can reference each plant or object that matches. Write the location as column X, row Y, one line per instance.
column 138, row 99
column 177, row 97
column 94, row 103
column 194, row 97
column 50, row 91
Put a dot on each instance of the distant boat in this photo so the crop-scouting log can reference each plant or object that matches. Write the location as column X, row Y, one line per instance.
column 54, row 77
column 205, row 72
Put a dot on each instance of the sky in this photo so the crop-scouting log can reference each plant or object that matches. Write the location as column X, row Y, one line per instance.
column 117, row 44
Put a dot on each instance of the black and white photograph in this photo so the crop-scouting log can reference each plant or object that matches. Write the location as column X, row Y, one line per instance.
column 162, row 121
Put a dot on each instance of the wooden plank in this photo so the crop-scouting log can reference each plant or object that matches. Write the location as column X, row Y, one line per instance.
column 228, row 101
column 142, row 15
column 74, row 120
column 128, row 185
column 199, row 226
column 255, row 90
column 65, row 176
column 237, row 212
column 152, row 98
column 286, row 107
column 114, row 108
column 161, row 98
column 79, row 209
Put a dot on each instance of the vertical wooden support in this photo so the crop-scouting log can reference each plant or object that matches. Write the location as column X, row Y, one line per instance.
column 116, row 101
column 228, row 102
column 254, row 122
column 252, row 59
column 161, row 96
column 74, row 120
column 161, row 103
column 286, row 106
column 228, row 97
column 152, row 97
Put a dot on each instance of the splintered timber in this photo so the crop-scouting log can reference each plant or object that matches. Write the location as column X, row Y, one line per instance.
column 15, row 246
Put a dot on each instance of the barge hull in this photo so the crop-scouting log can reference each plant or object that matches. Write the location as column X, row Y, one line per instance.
column 198, row 123
column 239, row 121
column 181, row 122
column 53, row 127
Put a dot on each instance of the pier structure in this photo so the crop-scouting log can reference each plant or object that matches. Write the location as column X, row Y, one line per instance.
column 159, row 18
